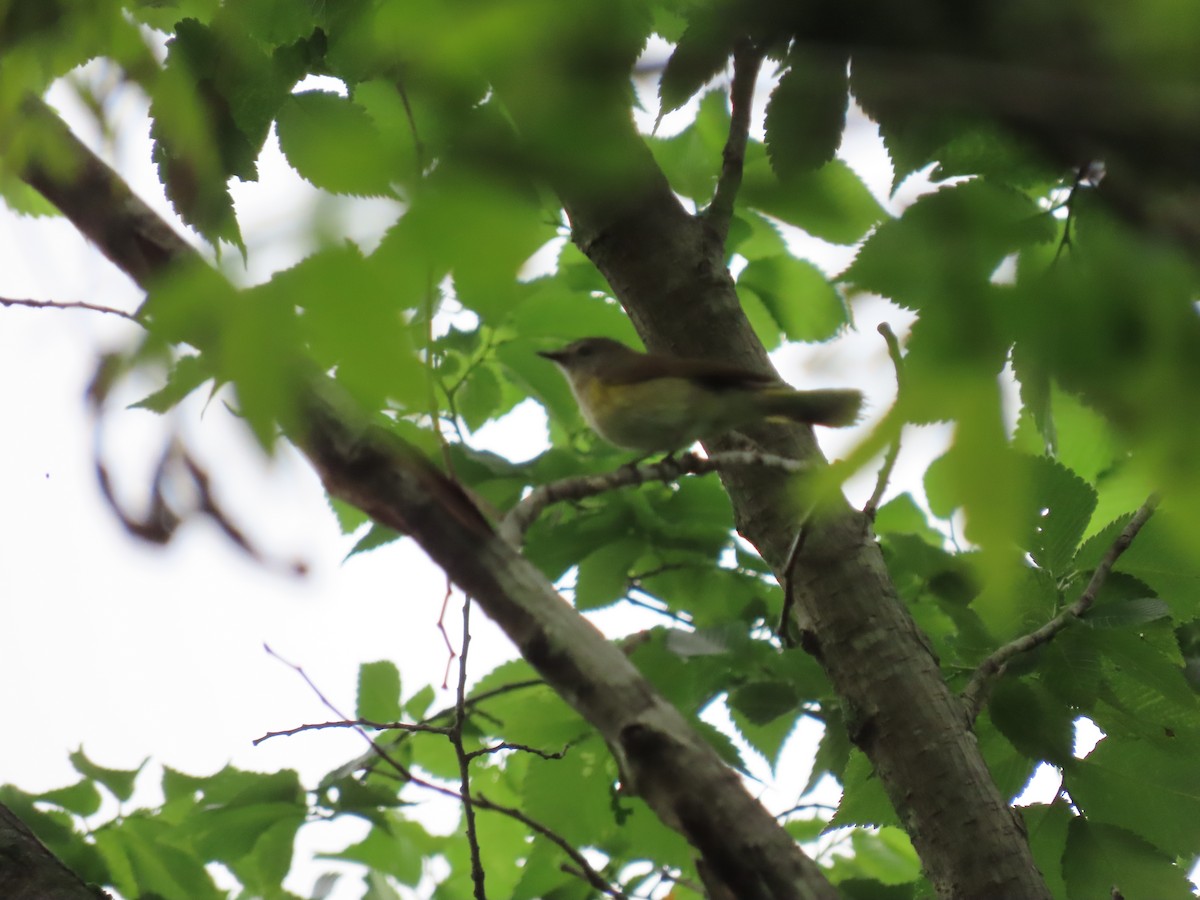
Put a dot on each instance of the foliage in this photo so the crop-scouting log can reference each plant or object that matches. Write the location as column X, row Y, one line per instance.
column 1021, row 273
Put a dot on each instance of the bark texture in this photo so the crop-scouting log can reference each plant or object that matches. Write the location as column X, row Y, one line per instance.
column 28, row 871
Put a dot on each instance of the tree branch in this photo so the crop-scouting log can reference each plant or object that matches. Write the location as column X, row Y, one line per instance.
column 518, row 519
column 464, row 760
column 673, row 280
column 747, row 60
column 975, row 693
column 29, row 871
column 893, row 451
column 64, row 304
column 672, row 767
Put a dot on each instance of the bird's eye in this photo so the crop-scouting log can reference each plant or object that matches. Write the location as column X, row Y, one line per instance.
column 584, row 350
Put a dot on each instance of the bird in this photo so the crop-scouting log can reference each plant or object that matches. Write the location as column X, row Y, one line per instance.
column 651, row 401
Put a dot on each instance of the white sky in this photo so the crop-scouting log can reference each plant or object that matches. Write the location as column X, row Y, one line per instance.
column 134, row 651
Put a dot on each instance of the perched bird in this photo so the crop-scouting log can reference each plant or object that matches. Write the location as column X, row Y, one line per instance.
column 650, row 401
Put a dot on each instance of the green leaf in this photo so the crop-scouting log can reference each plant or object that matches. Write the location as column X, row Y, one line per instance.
column 188, row 373
column 588, row 776
column 1126, row 613
column 119, row 782
column 902, row 515
column 1022, row 601
column 691, row 159
column 1100, row 858
column 1163, row 557
column 153, row 861
column 604, row 574
column 864, row 801
column 1112, row 785
column 700, row 55
column 764, row 701
column 887, row 857
column 946, row 245
column 480, row 398
column 377, row 536
column 1047, row 827
column 765, row 714
column 802, row 302
column 830, row 203
column 335, row 144
column 1064, row 505
column 807, row 110
column 1035, row 722
column 212, row 108
column 398, row 850
column 81, row 798
column 379, row 692
column 833, row 752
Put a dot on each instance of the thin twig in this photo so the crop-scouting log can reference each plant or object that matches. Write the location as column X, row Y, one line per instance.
column 747, row 59
column 477, row 801
column 464, row 760
column 592, row 877
column 441, row 626
column 789, row 595
column 993, row 667
column 63, row 304
column 1069, row 204
column 409, row 727
column 893, row 451
column 505, row 745
column 521, row 516
column 402, row 770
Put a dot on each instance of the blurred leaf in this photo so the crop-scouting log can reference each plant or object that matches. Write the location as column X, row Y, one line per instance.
column 335, row 144
column 119, row 782
column 1035, row 722
column 830, row 203
column 807, row 110
column 802, row 302
column 81, row 798
column 379, row 692
column 604, row 574
column 1099, row 858
column 702, row 53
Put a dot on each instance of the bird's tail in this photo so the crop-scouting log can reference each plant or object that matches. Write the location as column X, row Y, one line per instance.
column 834, row 408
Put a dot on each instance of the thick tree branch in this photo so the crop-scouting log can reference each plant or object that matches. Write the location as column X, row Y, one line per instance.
column 670, row 276
column 28, row 871
column 975, row 693
column 668, row 763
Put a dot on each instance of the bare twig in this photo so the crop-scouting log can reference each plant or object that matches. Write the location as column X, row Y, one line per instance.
column 1066, row 241
column 747, row 59
column 441, row 625
column 893, row 451
column 594, row 878
column 505, row 745
column 469, row 802
column 325, row 701
column 789, row 595
column 975, row 693
column 63, row 304
column 410, row 727
column 521, row 516
column 464, row 759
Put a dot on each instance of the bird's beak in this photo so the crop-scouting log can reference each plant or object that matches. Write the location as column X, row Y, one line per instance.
column 555, row 356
